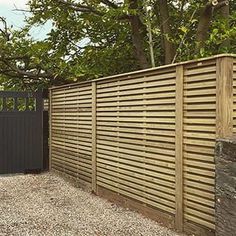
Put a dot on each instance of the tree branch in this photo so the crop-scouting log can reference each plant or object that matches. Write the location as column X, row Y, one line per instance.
column 25, row 73
column 110, row 4
column 5, row 30
column 81, row 8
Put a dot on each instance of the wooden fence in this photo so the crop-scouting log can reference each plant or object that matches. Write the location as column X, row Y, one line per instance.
column 146, row 139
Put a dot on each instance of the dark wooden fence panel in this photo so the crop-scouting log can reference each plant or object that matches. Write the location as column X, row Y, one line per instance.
column 21, row 132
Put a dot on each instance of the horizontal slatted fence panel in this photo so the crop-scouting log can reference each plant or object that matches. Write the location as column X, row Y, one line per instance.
column 134, row 151
column 136, row 137
column 71, row 148
column 234, row 92
column 199, row 143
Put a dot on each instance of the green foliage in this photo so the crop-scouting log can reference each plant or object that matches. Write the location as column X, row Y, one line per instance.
column 90, row 39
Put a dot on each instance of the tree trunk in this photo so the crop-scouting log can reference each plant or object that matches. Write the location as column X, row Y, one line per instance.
column 225, row 13
column 203, row 26
column 205, row 21
column 137, row 36
column 169, row 48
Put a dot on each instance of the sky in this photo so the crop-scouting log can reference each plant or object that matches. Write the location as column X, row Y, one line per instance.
column 16, row 18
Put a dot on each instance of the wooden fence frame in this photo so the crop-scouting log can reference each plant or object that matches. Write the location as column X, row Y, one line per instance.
column 225, row 100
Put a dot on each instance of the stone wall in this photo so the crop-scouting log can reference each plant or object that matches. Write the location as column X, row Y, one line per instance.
column 226, row 187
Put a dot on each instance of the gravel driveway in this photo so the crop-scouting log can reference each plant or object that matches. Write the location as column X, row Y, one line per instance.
column 47, row 205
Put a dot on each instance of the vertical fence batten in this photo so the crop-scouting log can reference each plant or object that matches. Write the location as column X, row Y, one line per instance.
column 50, row 129
column 146, row 139
column 179, row 148
column 94, row 137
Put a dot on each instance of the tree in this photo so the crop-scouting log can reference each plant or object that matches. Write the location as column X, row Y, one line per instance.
column 96, row 38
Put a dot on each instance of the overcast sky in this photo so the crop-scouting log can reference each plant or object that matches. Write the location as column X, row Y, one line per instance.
column 16, row 18
column 10, row 3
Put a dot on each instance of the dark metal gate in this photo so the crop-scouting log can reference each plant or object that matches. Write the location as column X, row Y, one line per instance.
column 21, row 132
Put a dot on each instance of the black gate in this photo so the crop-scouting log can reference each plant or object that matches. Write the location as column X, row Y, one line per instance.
column 21, row 132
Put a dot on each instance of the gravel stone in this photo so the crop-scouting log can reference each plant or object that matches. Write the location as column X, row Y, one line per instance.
column 48, row 205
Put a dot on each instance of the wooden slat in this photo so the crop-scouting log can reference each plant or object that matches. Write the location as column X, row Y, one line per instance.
column 134, row 195
column 143, row 180
column 200, row 221
column 160, row 86
column 157, row 77
column 165, row 186
column 166, row 198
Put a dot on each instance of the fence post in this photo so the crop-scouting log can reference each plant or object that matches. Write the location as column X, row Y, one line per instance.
column 224, row 97
column 94, row 133
column 179, row 147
